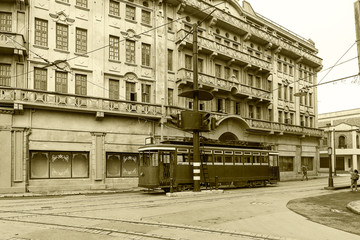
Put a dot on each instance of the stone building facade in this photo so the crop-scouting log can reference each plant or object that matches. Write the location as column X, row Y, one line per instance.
column 342, row 134
column 89, row 81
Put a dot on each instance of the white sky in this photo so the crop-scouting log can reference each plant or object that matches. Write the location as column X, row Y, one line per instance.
column 331, row 25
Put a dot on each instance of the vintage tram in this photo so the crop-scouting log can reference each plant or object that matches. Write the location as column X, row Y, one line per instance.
column 170, row 165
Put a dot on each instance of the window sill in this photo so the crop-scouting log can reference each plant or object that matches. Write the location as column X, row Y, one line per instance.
column 132, row 21
column 144, row 66
column 131, row 64
column 82, row 8
column 114, row 61
column 61, row 50
column 114, row 16
column 81, row 54
column 42, row 47
column 146, row 25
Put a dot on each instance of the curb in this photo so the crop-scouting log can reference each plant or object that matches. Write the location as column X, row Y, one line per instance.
column 354, row 206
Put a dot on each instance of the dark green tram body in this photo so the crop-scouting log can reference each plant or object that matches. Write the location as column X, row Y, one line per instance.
column 166, row 165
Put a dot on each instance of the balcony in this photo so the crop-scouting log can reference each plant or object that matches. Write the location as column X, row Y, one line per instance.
column 28, row 98
column 243, row 26
column 12, row 43
column 230, row 85
column 224, row 51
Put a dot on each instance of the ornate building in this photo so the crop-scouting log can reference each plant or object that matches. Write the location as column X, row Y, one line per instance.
column 342, row 134
column 89, row 81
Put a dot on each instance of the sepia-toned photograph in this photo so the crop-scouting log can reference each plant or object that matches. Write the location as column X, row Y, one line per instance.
column 179, row 119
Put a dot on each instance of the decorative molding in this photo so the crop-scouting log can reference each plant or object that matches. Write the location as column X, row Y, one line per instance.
column 62, row 17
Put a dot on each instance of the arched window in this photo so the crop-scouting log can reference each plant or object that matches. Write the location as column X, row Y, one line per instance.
column 342, row 143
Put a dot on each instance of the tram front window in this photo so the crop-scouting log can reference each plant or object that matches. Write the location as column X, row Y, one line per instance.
column 145, row 159
column 154, row 159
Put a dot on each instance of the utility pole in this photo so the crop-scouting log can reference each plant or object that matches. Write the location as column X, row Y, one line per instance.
column 357, row 29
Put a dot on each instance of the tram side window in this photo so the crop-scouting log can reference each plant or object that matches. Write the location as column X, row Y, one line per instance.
column 165, row 157
column 237, row 160
column 256, row 160
column 218, row 159
column 154, row 159
column 247, row 160
column 265, row 160
column 182, row 158
column 207, row 158
column 228, row 159
column 145, row 159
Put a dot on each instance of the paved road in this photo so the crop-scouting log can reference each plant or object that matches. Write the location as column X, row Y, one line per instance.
column 248, row 213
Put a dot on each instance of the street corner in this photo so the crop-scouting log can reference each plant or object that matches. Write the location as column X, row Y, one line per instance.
column 354, row 206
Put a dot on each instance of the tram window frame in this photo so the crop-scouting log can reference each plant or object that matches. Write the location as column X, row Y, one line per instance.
column 264, row 159
column 145, row 159
column 227, row 155
column 155, row 159
column 183, row 157
column 165, row 153
column 248, row 158
column 206, row 157
column 218, row 155
column 256, row 158
column 238, row 160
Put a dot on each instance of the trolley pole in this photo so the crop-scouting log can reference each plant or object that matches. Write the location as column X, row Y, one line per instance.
column 196, row 135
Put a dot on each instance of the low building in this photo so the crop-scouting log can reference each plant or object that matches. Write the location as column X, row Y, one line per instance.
column 96, row 78
column 341, row 133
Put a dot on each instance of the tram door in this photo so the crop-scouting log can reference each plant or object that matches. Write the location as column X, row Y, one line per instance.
column 165, row 160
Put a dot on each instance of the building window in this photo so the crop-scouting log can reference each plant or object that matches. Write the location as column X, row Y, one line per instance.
column 280, row 117
column 279, row 91
column 145, row 17
column 145, row 93
column 80, row 84
column 286, row 164
column 342, row 142
column 130, row 91
column 5, row 75
column 308, row 163
column 200, row 65
column 291, row 72
column 279, row 66
column 169, row 24
column 236, row 74
column 5, row 22
column 251, row 111
column 122, row 165
column 145, row 52
column 258, row 112
column 114, row 8
column 81, row 40
column 130, row 51
column 40, row 79
column 237, row 108
column 310, row 99
column 41, row 32
column 61, row 82
column 170, row 97
column 250, row 79
column 113, row 89
column 217, row 70
column 258, row 82
column 291, row 118
column 114, row 49
column 61, row 36
column 291, row 94
column 188, row 62
column 227, row 73
column 82, row 3
column 285, row 93
column 130, row 12
column 220, row 105
column 170, row 59
column 44, row 165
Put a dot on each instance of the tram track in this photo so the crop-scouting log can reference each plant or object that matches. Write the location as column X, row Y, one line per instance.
column 47, row 216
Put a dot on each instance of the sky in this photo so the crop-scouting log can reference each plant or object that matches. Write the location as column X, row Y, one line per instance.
column 331, row 25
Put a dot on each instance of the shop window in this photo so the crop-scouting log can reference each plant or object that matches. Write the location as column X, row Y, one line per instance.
column 308, row 163
column 286, row 164
column 44, row 165
column 121, row 165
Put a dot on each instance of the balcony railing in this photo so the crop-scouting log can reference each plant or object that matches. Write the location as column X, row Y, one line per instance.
column 258, row 31
column 228, row 85
column 65, row 102
column 42, row 99
column 219, row 48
